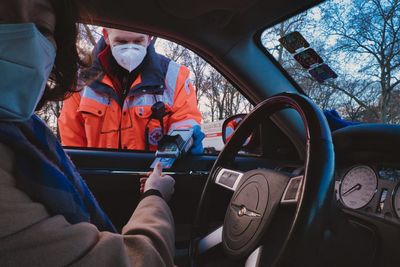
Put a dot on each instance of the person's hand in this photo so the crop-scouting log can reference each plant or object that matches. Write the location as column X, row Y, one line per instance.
column 156, row 180
column 198, row 136
column 142, row 183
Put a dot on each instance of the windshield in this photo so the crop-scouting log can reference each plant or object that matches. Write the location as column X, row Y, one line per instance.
column 349, row 59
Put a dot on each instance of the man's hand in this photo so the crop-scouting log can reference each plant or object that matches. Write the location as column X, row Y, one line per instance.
column 156, row 180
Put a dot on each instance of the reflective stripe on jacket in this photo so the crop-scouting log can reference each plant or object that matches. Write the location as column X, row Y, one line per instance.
column 93, row 117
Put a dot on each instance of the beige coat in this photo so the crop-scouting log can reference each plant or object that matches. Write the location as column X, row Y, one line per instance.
column 29, row 236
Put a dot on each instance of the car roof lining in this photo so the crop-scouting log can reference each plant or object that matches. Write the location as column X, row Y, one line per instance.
column 193, row 21
column 197, row 8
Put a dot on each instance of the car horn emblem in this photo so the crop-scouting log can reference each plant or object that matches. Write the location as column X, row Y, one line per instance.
column 243, row 211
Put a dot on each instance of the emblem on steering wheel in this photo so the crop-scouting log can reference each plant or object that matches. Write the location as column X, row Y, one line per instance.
column 242, row 210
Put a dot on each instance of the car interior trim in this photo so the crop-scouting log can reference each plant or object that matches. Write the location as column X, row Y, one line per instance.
column 210, row 241
column 141, row 173
column 254, row 259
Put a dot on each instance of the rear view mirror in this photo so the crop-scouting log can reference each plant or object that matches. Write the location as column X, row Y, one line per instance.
column 230, row 125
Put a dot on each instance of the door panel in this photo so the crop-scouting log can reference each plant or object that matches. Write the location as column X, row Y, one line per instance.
column 113, row 177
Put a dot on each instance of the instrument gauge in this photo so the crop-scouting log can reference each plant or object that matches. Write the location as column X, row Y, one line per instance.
column 396, row 201
column 358, row 187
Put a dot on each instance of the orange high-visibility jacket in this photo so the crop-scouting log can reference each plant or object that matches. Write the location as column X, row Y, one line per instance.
column 94, row 117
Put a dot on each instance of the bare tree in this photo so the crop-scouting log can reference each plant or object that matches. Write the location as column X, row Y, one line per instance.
column 49, row 114
column 87, row 39
column 223, row 99
column 196, row 64
column 173, row 51
column 198, row 67
column 369, row 34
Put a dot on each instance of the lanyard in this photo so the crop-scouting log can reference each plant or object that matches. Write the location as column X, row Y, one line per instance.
column 158, row 112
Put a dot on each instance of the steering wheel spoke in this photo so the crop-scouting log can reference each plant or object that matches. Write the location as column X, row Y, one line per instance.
column 292, row 192
column 209, row 241
column 254, row 258
column 228, row 178
column 214, row 239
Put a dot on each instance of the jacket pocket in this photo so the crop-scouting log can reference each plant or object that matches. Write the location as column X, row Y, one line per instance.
column 93, row 117
column 143, row 112
column 91, row 110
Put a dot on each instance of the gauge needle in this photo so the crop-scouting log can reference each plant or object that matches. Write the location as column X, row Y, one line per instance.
column 351, row 190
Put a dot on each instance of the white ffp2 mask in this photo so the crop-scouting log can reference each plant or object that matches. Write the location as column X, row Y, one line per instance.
column 129, row 56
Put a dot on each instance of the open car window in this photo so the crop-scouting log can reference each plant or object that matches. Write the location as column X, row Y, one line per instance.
column 216, row 98
column 345, row 55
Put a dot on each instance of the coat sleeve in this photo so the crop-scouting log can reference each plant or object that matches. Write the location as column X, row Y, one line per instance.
column 71, row 123
column 148, row 239
column 30, row 236
column 185, row 113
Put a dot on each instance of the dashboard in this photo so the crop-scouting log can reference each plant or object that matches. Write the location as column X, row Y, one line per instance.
column 371, row 189
column 367, row 190
column 367, row 177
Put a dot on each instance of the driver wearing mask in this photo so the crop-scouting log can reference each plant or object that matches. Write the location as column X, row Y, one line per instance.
column 123, row 85
column 48, row 216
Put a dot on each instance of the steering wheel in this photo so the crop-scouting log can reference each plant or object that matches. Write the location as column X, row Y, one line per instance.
column 274, row 217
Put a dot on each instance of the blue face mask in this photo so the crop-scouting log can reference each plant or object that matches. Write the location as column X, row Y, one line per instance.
column 26, row 60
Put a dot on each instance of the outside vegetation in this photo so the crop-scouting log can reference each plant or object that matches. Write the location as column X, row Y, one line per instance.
column 360, row 40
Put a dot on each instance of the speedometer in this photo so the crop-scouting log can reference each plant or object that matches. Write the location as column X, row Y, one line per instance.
column 358, row 187
column 396, row 201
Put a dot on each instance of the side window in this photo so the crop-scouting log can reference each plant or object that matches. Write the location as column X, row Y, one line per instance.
column 115, row 108
column 216, row 97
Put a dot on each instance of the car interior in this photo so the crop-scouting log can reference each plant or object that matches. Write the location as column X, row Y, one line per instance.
column 288, row 200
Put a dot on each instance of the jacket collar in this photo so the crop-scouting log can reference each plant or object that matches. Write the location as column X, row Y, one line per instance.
column 152, row 74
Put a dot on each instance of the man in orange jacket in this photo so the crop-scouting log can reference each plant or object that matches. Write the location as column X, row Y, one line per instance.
column 137, row 97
